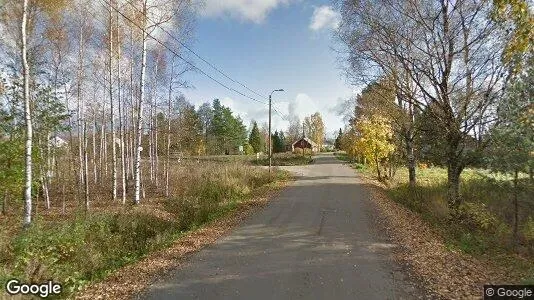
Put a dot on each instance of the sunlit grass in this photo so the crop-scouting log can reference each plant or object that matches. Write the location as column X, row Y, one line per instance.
column 484, row 224
column 84, row 248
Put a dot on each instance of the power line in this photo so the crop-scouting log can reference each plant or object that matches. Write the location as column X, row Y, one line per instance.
column 197, row 55
column 284, row 117
column 107, row 4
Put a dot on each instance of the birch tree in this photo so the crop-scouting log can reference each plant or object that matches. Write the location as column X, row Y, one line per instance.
column 27, row 118
column 449, row 50
column 121, row 111
column 151, row 17
column 111, row 103
column 139, row 108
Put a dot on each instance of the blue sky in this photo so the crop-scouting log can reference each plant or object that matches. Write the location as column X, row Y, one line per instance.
column 271, row 44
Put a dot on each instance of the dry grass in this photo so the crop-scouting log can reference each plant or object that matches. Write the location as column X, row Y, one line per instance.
column 134, row 278
column 446, row 273
column 482, row 230
column 76, row 248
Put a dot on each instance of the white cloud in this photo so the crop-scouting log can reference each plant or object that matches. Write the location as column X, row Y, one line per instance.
column 237, row 110
column 248, row 10
column 303, row 106
column 324, row 17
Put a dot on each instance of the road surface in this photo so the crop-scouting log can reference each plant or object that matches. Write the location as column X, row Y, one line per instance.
column 316, row 240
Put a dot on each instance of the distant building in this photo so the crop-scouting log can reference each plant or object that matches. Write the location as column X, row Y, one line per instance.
column 327, row 147
column 57, row 142
column 305, row 143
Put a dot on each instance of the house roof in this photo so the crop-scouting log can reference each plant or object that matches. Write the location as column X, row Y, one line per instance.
column 307, row 140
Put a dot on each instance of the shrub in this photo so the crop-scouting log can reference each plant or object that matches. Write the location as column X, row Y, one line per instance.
column 528, row 230
column 422, row 166
column 248, row 149
column 87, row 247
column 213, row 191
column 186, row 210
column 472, row 243
column 359, row 166
column 476, row 216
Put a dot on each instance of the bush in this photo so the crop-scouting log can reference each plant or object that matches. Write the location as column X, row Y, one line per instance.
column 213, row 192
column 285, row 159
column 421, row 199
column 422, row 166
column 186, row 210
column 476, row 216
column 248, row 149
column 472, row 243
column 87, row 247
column 528, row 230
column 359, row 166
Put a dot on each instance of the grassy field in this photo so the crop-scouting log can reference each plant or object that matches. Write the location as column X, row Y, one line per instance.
column 285, row 159
column 279, row 159
column 483, row 226
column 78, row 248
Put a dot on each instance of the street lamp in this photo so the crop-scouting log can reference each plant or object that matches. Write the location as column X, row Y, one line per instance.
column 270, row 147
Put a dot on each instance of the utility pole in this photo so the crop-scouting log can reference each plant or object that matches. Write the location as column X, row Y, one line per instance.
column 270, row 138
column 270, row 147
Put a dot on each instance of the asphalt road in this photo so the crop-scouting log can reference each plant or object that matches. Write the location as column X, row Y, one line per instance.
column 317, row 240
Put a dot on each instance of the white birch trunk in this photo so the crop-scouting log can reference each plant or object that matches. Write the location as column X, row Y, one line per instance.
column 150, row 141
column 79, row 102
column 101, row 149
column 28, row 119
column 132, row 118
column 47, row 172
column 106, row 165
column 121, row 123
column 85, row 166
column 112, row 108
column 139, row 128
column 156, row 150
column 71, row 138
column 95, row 177
column 154, row 129
column 133, row 122
column 168, row 152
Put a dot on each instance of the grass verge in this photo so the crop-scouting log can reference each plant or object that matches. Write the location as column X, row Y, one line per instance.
column 285, row 159
column 483, row 226
column 87, row 248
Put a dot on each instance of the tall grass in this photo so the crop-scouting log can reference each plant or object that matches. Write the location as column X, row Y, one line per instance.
column 84, row 248
column 286, row 159
column 486, row 215
column 483, row 224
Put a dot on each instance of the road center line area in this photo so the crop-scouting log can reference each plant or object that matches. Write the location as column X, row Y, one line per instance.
column 316, row 240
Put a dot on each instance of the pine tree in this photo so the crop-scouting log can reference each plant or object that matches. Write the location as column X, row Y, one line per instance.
column 255, row 139
column 278, row 142
column 337, row 143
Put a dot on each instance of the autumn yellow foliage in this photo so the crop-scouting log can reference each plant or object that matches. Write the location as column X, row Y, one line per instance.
column 374, row 141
